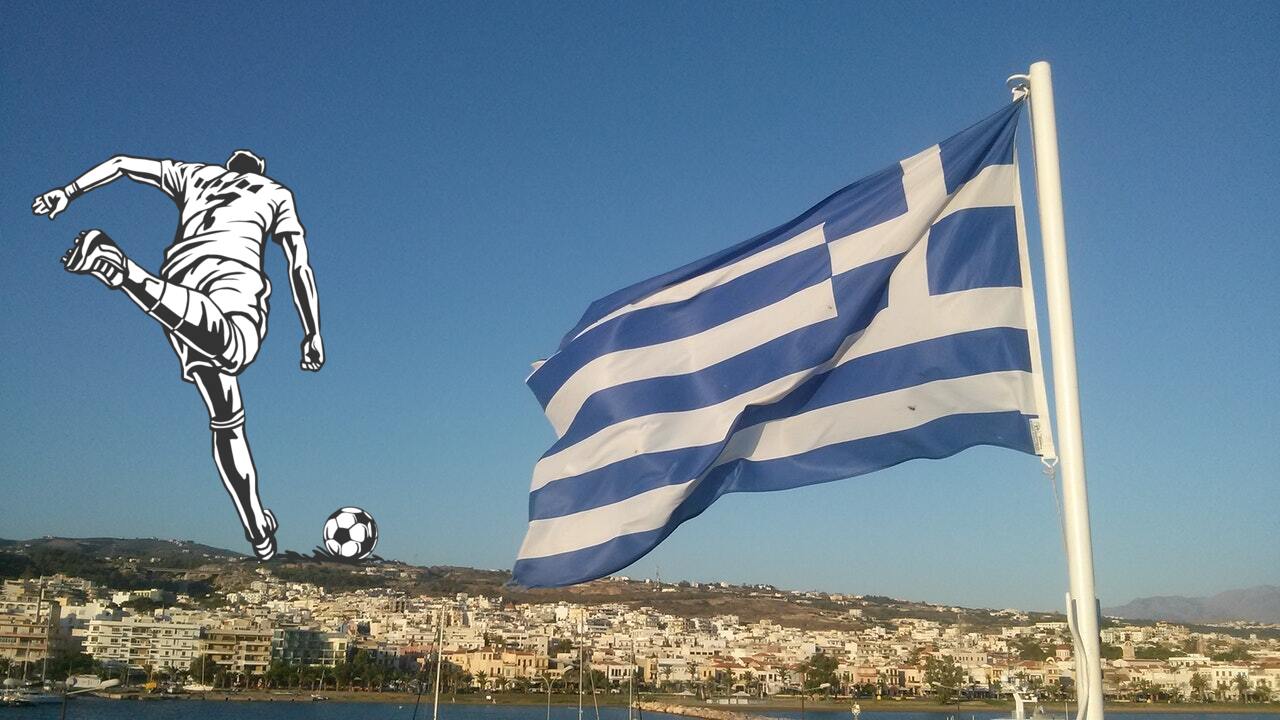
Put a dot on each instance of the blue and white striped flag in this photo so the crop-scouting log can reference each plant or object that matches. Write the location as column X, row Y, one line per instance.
column 894, row 320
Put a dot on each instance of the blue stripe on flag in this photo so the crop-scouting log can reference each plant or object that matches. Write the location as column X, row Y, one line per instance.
column 858, row 206
column 989, row 142
column 864, row 204
column 938, row 439
column 860, row 294
column 953, row 356
column 650, row 326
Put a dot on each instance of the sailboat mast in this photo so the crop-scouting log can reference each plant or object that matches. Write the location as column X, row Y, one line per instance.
column 580, row 631
column 435, row 700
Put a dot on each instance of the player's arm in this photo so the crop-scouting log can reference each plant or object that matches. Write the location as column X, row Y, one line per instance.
column 302, row 281
column 143, row 170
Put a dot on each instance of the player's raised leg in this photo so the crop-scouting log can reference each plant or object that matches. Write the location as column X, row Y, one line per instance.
column 221, row 393
column 230, row 341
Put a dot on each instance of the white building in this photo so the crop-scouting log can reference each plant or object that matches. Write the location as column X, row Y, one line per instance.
column 142, row 642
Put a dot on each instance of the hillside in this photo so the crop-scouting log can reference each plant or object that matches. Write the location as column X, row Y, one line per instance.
column 1259, row 604
column 203, row 572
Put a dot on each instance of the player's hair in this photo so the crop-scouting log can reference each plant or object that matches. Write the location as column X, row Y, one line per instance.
column 246, row 161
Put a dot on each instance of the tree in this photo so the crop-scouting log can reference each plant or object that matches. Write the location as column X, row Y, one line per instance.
column 204, row 669
column 278, row 674
column 342, row 675
column 943, row 677
column 1153, row 652
column 64, row 664
column 818, row 671
column 748, row 681
column 1139, row 688
column 1236, row 653
column 1262, row 691
column 1029, row 649
column 596, row 679
column 1199, row 683
column 143, row 605
column 1241, row 682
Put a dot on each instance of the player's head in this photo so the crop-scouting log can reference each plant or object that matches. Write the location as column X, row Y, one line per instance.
column 246, row 161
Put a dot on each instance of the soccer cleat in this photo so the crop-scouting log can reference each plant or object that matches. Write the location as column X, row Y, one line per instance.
column 96, row 254
column 265, row 549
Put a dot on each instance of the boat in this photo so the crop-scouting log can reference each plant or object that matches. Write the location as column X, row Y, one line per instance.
column 30, row 696
column 1020, row 700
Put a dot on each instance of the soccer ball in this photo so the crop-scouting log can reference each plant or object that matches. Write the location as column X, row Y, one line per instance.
column 350, row 533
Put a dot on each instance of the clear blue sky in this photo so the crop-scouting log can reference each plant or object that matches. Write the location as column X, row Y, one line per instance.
column 473, row 175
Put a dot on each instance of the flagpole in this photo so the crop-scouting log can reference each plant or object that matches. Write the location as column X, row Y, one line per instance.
column 1083, row 607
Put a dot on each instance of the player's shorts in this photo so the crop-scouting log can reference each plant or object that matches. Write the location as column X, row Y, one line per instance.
column 240, row 293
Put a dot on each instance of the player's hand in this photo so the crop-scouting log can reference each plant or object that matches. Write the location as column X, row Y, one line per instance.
column 312, row 353
column 50, row 203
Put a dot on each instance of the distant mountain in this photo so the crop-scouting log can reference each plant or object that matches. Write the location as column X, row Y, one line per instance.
column 1257, row 604
column 182, row 551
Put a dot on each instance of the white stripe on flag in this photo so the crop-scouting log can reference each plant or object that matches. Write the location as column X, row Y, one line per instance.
column 995, row 186
column 690, row 354
column 936, row 316
column 658, row 432
column 854, row 420
column 883, row 413
column 955, row 313
column 639, row 513
column 926, row 193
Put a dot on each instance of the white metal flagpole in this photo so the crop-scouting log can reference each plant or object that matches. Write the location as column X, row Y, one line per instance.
column 1083, row 606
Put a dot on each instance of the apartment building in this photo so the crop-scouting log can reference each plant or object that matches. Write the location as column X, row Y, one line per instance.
column 28, row 629
column 301, row 646
column 242, row 650
column 144, row 642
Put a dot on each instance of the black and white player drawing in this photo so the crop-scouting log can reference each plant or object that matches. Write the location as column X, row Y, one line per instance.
column 211, row 292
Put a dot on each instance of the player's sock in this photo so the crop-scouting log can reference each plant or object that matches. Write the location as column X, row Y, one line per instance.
column 96, row 254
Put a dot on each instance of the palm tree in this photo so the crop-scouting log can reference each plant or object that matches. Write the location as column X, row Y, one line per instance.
column 1263, row 691
column 1242, row 686
column 482, row 678
column 1199, row 683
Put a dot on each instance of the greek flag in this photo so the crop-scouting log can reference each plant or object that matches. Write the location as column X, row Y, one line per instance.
column 893, row 320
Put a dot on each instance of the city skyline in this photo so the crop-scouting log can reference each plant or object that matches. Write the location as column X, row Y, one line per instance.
column 472, row 179
column 264, row 631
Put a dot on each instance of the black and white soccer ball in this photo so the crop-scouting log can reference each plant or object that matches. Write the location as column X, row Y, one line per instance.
column 350, row 533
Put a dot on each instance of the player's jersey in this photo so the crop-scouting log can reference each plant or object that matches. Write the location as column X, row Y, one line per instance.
column 224, row 214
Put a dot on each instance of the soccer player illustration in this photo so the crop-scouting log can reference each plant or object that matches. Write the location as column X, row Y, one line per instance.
column 211, row 292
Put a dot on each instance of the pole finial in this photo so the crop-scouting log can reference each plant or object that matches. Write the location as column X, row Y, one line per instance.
column 1019, row 85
